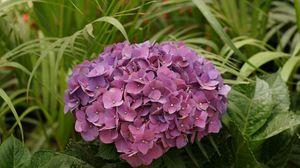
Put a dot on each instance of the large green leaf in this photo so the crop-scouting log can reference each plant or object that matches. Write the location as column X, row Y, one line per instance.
column 86, row 151
column 281, row 118
column 280, row 93
column 41, row 158
column 277, row 123
column 50, row 159
column 250, row 106
column 275, row 151
column 294, row 156
column 262, row 112
column 243, row 155
column 63, row 161
column 13, row 154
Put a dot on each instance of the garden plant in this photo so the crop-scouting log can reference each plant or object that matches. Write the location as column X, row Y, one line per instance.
column 150, row 83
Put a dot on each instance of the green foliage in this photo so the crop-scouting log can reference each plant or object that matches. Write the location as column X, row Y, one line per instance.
column 79, row 154
column 41, row 158
column 270, row 128
column 41, row 40
column 13, row 154
column 252, row 108
column 173, row 159
column 4, row 96
column 107, row 152
column 257, row 122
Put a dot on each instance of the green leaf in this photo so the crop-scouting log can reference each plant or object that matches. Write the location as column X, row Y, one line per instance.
column 173, row 160
column 188, row 150
column 281, row 119
column 89, row 28
column 86, row 151
column 250, row 107
column 277, row 123
column 243, row 155
column 275, row 151
column 13, row 154
column 294, row 156
column 280, row 93
column 157, row 163
column 12, row 108
column 288, row 67
column 63, row 161
column 108, row 152
column 41, row 158
column 219, row 30
column 115, row 23
column 15, row 65
column 260, row 59
column 77, row 154
column 297, row 9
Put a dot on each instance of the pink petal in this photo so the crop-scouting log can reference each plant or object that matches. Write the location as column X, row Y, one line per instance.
column 155, row 95
column 181, row 141
column 108, row 136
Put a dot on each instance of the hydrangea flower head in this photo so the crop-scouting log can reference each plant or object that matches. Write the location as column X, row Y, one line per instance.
column 146, row 98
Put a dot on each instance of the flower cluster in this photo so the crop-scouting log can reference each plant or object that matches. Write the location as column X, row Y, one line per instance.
column 146, row 98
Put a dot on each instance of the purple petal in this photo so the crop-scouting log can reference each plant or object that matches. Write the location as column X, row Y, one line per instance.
column 91, row 133
column 108, row 136
column 213, row 74
column 126, row 113
column 144, row 146
column 214, row 125
column 155, row 95
column 134, row 87
column 122, row 145
column 181, row 141
column 224, row 90
column 97, row 71
column 112, row 98
column 133, row 160
column 200, row 119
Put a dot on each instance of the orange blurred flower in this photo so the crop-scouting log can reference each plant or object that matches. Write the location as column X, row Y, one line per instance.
column 25, row 17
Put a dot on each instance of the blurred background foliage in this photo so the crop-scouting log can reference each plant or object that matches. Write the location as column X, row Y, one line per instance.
column 41, row 40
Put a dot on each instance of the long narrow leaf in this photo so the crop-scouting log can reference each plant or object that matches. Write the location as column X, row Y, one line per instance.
column 260, row 59
column 288, row 68
column 12, row 108
column 297, row 9
column 219, row 30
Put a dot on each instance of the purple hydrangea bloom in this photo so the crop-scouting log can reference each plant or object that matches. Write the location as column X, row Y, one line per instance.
column 146, row 98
